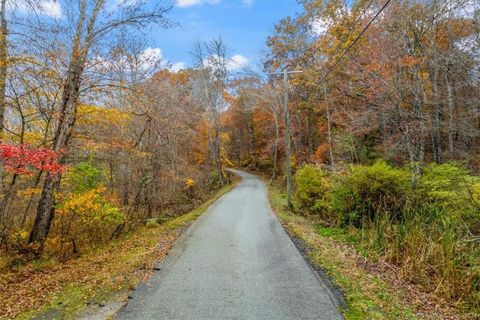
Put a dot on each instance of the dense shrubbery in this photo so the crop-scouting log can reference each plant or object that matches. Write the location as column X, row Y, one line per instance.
column 369, row 191
column 312, row 187
column 450, row 188
column 87, row 212
column 429, row 230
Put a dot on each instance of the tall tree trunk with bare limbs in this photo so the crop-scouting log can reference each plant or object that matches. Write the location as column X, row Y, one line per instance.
column 3, row 79
column 70, row 95
column 87, row 33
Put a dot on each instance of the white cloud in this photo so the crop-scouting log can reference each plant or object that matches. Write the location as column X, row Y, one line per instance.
column 150, row 58
column 191, row 3
column 178, row 66
column 319, row 27
column 247, row 2
column 234, row 63
column 51, row 8
column 152, row 53
column 48, row 8
column 237, row 62
column 126, row 3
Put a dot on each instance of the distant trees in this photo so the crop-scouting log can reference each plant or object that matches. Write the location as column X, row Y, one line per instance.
column 379, row 145
column 211, row 61
column 408, row 91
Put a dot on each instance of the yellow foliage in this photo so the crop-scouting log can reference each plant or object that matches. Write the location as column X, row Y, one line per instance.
column 82, row 202
column 33, row 137
column 189, row 183
column 91, row 207
column 22, row 234
column 94, row 115
column 29, row 191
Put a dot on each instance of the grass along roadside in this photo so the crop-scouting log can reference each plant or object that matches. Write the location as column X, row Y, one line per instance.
column 372, row 289
column 62, row 289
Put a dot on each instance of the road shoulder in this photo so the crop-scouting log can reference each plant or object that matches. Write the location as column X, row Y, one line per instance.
column 370, row 290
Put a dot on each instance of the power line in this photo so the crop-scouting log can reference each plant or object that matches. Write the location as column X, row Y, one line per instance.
column 348, row 49
column 345, row 37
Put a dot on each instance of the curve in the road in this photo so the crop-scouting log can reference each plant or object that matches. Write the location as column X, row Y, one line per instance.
column 235, row 262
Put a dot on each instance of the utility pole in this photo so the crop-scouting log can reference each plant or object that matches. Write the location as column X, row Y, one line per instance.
column 288, row 151
column 329, row 127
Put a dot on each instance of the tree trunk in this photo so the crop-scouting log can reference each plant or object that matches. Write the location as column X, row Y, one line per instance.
column 450, row 114
column 288, row 155
column 218, row 155
column 66, row 121
column 251, row 138
column 437, row 116
column 45, row 212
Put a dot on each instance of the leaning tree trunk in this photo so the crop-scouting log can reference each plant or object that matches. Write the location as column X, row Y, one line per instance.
column 70, row 96
column 46, row 205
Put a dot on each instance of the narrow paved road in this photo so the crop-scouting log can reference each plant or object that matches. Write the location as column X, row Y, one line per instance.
column 235, row 262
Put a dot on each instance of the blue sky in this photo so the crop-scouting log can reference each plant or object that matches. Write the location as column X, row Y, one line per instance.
column 243, row 24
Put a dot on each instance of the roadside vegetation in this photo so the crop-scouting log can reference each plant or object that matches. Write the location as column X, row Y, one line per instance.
column 371, row 287
column 425, row 233
column 383, row 131
column 101, row 275
column 100, row 141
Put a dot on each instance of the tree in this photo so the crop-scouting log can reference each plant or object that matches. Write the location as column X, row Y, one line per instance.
column 211, row 61
column 92, row 23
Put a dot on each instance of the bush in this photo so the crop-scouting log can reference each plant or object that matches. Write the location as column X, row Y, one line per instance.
column 444, row 184
column 87, row 217
column 450, row 187
column 312, row 186
column 428, row 232
column 369, row 191
column 86, row 212
column 215, row 181
column 84, row 176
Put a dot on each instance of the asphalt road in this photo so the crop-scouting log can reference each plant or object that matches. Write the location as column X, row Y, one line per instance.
column 235, row 262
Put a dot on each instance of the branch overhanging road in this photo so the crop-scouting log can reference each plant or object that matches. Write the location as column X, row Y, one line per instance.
column 235, row 262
